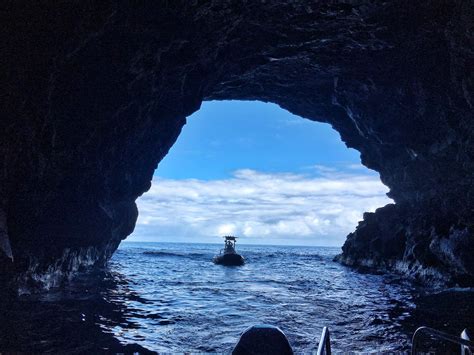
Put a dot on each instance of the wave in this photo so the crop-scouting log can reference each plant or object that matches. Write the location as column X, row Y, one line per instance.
column 163, row 253
column 175, row 254
column 293, row 255
column 249, row 255
column 458, row 289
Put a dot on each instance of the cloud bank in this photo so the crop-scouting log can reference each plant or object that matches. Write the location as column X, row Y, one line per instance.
column 273, row 208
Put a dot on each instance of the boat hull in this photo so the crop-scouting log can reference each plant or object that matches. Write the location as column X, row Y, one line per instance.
column 229, row 260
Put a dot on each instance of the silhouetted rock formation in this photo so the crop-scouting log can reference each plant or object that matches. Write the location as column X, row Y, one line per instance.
column 95, row 95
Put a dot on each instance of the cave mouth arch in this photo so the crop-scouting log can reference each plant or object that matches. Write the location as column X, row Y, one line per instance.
column 254, row 170
column 90, row 88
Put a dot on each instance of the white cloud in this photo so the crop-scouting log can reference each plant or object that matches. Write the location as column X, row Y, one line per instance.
column 259, row 207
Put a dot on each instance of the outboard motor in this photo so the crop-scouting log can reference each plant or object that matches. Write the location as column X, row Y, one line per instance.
column 263, row 339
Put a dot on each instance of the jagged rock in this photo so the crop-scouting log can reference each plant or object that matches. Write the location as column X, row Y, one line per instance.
column 391, row 239
column 94, row 95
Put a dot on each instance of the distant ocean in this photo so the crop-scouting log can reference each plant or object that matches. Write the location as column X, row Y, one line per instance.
column 171, row 298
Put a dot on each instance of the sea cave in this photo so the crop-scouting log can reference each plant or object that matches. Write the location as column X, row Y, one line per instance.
column 88, row 88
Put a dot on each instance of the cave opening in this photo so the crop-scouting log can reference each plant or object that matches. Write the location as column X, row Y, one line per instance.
column 255, row 170
column 96, row 94
column 289, row 189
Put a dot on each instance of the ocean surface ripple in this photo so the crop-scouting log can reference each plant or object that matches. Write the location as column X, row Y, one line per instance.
column 169, row 297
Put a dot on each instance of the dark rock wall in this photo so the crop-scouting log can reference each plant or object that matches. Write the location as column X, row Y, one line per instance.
column 95, row 95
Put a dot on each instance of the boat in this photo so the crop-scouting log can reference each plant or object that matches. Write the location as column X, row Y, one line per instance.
column 228, row 256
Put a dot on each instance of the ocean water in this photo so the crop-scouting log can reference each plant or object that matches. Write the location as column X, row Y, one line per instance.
column 169, row 297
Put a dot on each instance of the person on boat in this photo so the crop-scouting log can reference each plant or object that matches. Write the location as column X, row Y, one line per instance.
column 229, row 248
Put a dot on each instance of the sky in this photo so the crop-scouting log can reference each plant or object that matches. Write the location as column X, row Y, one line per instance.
column 256, row 171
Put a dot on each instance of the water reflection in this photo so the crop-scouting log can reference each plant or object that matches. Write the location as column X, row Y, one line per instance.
column 171, row 298
column 79, row 318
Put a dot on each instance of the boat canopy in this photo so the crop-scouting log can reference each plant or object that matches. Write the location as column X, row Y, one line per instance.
column 229, row 237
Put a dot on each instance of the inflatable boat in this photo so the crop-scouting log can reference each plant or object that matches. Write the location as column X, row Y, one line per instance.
column 228, row 256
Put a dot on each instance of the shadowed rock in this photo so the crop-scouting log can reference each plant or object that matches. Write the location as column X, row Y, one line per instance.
column 94, row 96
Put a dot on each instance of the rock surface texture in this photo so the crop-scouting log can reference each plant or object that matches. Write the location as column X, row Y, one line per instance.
column 93, row 97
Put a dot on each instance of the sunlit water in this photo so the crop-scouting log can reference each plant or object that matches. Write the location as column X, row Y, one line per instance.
column 171, row 298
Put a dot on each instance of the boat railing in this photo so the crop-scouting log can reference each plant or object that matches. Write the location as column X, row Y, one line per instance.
column 324, row 347
column 467, row 346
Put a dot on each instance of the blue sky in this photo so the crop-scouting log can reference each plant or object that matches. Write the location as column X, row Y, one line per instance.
column 225, row 136
column 255, row 170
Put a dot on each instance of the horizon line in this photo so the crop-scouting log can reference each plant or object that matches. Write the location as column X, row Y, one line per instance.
column 271, row 245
